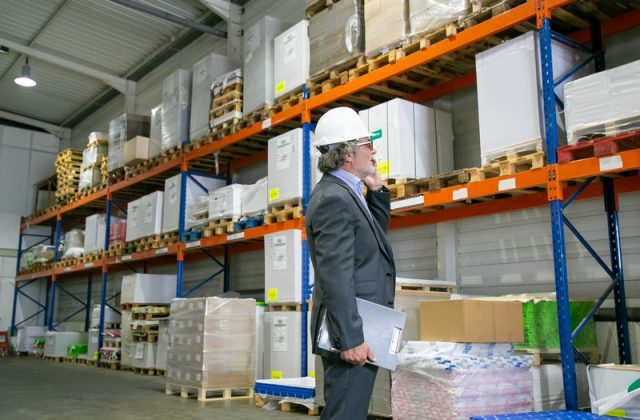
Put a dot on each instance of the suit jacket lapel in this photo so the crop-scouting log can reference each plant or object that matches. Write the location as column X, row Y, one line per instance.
column 365, row 211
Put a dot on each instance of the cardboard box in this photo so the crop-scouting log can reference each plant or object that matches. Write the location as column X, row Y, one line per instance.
column 386, row 24
column 140, row 148
column 473, row 321
column 291, row 58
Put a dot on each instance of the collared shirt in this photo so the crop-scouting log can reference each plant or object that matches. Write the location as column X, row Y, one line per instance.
column 354, row 183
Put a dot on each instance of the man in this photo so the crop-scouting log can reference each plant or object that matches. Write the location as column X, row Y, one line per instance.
column 351, row 256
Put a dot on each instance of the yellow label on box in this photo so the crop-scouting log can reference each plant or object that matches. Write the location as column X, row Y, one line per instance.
column 276, row 374
column 383, row 168
column 280, row 87
column 617, row 412
column 274, row 194
column 312, row 373
column 272, row 295
column 95, row 356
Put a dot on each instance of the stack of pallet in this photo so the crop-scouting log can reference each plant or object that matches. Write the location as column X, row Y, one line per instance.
column 226, row 102
column 110, row 351
column 68, row 165
column 93, row 158
column 145, row 324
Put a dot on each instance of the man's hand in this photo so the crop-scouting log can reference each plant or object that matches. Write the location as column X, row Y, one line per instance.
column 358, row 355
column 373, row 182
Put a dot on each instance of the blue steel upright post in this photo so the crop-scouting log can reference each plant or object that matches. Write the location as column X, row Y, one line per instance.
column 105, row 274
column 56, row 257
column 181, row 233
column 16, row 288
column 557, row 223
column 306, row 193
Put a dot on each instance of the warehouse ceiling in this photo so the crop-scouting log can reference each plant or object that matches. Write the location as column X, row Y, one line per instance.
column 101, row 35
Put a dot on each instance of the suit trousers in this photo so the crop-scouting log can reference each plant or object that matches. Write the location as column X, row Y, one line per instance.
column 347, row 389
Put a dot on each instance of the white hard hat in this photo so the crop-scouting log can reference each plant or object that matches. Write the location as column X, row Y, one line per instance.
column 339, row 125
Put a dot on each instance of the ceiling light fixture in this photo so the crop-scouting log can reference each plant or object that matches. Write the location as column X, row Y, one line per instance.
column 25, row 78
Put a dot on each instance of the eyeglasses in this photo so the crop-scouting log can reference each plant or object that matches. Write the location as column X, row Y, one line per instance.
column 367, row 143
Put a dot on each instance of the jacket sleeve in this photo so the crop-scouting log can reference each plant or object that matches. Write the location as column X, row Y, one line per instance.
column 380, row 206
column 333, row 236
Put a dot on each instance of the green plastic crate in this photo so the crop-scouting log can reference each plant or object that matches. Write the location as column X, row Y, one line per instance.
column 76, row 350
column 540, row 321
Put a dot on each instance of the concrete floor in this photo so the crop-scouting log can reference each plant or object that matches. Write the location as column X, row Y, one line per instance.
column 41, row 389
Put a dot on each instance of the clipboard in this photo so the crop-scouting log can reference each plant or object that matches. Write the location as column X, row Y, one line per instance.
column 382, row 328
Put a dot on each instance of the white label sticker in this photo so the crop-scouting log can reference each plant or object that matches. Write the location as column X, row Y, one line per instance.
column 279, row 252
column 88, row 265
column 279, row 334
column 507, row 184
column 289, row 47
column 283, row 154
column 235, row 236
column 162, row 251
column 126, row 258
column 67, row 269
column 395, row 341
column 408, row 202
column 266, row 123
column 610, row 163
column 460, row 194
column 193, row 244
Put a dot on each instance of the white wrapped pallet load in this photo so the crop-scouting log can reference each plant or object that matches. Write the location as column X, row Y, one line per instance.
column 155, row 127
column 27, row 337
column 603, row 104
column 258, row 63
column 57, row 342
column 460, row 380
column 110, row 316
column 229, row 87
column 194, row 199
column 204, row 73
column 283, row 267
column 148, row 288
column 91, row 241
column 143, row 355
column 406, row 137
column 291, row 62
column 144, row 216
column 226, row 202
column 426, row 16
column 260, row 311
column 121, row 129
column 286, row 168
column 386, row 24
column 254, row 198
column 73, row 243
column 510, row 106
column 444, row 140
column 92, row 344
column 212, row 344
column 282, row 344
column 163, row 344
column 97, row 147
column 126, row 339
column 89, row 177
column 336, row 35
column 176, row 105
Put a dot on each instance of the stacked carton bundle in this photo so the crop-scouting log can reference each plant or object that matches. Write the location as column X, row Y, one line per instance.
column 336, row 34
column 68, row 165
column 121, row 129
column 226, row 99
column 94, row 159
column 212, row 343
column 437, row 380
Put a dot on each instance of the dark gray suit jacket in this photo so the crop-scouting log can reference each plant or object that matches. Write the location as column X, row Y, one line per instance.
column 351, row 256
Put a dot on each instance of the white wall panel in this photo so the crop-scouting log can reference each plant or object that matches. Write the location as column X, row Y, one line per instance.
column 14, row 180
column 290, row 11
column 45, row 142
column 415, row 251
column 16, row 137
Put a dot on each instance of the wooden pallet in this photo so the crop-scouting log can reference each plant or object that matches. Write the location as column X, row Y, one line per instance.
column 115, row 250
column 148, row 337
column 226, row 128
column 147, row 371
column 228, row 97
column 204, row 395
column 318, row 6
column 517, row 162
column 288, row 406
column 54, row 359
column 333, row 77
column 220, row 227
column 284, row 212
column 288, row 100
column 285, row 307
column 112, row 344
column 129, row 306
column 167, row 239
column 110, row 364
column 553, row 355
column 426, row 288
column 233, row 106
column 599, row 147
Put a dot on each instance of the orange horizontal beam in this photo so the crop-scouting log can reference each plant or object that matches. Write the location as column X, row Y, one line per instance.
column 482, row 30
column 144, row 255
column 76, row 268
column 38, row 220
column 248, row 161
column 245, row 235
column 620, row 162
column 611, row 26
column 252, row 130
column 84, row 201
column 156, row 170
column 443, row 89
column 36, row 275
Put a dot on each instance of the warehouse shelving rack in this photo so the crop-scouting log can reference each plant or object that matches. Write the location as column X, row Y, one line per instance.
column 527, row 189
